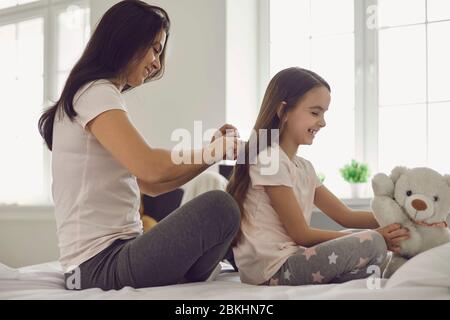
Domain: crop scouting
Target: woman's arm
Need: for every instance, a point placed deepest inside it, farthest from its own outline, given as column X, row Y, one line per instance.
column 329, row 204
column 164, row 187
column 285, row 203
column 156, row 189
column 117, row 134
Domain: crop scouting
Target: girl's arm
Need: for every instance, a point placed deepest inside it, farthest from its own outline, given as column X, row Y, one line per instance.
column 393, row 234
column 285, row 203
column 117, row 134
column 329, row 204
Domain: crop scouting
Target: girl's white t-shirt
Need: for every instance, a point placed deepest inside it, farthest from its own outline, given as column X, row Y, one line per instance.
column 265, row 245
column 96, row 198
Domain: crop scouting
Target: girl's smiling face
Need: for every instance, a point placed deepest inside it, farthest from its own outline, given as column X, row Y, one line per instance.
column 304, row 121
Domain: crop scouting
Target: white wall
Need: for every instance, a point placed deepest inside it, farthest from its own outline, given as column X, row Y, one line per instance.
column 242, row 64
column 193, row 87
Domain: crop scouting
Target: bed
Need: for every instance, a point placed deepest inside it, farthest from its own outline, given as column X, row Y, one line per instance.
column 426, row 276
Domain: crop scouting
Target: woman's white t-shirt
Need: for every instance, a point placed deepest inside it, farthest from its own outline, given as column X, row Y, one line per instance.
column 264, row 245
column 96, row 198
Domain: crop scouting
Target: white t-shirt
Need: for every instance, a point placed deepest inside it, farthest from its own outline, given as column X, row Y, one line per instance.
column 96, row 198
column 265, row 245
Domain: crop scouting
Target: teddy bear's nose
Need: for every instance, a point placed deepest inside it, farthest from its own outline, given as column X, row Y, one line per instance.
column 419, row 205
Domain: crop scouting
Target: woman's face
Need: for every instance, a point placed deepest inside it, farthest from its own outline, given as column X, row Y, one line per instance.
column 149, row 64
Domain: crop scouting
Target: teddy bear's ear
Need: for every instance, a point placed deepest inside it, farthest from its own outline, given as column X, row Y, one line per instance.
column 397, row 172
column 447, row 179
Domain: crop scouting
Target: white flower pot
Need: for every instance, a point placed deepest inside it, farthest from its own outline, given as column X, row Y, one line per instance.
column 357, row 190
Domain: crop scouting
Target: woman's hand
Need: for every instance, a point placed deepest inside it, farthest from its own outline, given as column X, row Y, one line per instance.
column 225, row 130
column 394, row 234
column 224, row 145
column 222, row 148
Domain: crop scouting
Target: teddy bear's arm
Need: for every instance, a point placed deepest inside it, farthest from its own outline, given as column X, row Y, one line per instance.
column 382, row 185
column 387, row 211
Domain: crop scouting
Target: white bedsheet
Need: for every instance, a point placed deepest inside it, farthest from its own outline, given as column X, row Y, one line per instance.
column 426, row 276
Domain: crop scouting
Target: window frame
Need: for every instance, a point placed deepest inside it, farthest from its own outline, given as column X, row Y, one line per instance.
column 366, row 86
column 367, row 104
column 366, row 80
column 366, row 101
column 48, row 11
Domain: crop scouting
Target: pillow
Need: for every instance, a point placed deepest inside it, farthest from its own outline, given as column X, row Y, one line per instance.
column 204, row 182
column 7, row 273
column 430, row 268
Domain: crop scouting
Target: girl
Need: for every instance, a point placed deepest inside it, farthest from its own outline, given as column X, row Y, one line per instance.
column 100, row 163
column 276, row 245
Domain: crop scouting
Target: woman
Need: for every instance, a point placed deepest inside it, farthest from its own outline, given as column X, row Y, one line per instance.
column 100, row 163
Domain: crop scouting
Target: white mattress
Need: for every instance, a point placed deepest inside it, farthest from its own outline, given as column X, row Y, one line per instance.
column 426, row 276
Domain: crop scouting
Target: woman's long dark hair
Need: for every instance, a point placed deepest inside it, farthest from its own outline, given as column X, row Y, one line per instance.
column 289, row 86
column 123, row 35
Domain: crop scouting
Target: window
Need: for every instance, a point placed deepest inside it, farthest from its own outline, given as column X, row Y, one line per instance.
column 389, row 83
column 303, row 34
column 414, row 96
column 10, row 3
column 41, row 41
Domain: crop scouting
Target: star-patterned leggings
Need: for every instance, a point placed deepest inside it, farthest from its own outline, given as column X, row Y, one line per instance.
column 355, row 256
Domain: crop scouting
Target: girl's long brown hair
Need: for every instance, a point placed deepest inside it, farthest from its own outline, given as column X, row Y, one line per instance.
column 289, row 86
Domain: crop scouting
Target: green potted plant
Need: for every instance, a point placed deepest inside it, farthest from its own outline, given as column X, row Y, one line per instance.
column 357, row 174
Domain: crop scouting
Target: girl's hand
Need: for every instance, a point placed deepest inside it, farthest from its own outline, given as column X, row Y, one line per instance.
column 394, row 234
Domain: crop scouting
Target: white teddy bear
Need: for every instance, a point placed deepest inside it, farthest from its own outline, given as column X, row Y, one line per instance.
column 419, row 200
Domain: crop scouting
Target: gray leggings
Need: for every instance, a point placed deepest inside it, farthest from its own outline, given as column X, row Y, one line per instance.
column 186, row 246
column 355, row 256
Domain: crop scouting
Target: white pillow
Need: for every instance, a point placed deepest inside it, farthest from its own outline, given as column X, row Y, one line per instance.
column 7, row 273
column 430, row 268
